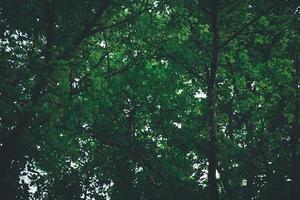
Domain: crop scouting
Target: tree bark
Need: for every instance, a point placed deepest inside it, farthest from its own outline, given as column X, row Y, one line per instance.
column 124, row 187
column 212, row 154
column 295, row 137
column 9, row 152
column 10, row 149
column 250, row 190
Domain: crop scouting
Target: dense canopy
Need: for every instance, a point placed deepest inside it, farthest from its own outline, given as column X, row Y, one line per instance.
column 149, row 99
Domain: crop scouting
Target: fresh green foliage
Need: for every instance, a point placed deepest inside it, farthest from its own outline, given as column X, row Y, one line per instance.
column 145, row 99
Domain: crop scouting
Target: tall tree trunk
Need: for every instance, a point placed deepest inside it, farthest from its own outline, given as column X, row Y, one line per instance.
column 212, row 154
column 124, row 181
column 10, row 149
column 295, row 137
column 251, row 152
column 250, row 190
column 9, row 152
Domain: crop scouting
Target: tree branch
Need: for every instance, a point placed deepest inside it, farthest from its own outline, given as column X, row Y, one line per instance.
column 121, row 70
column 100, row 27
column 87, row 30
column 254, row 20
column 164, row 53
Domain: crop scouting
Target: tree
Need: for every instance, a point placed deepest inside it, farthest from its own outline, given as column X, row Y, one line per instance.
column 149, row 99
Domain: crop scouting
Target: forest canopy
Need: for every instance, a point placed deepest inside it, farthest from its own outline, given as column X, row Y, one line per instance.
column 149, row 99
